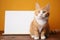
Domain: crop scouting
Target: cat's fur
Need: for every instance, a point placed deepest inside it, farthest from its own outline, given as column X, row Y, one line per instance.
column 40, row 24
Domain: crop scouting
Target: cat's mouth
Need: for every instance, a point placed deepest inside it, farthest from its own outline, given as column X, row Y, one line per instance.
column 41, row 17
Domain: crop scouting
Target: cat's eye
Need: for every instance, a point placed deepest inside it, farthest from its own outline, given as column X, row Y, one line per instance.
column 44, row 11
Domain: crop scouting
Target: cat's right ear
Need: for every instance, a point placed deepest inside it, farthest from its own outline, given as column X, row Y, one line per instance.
column 47, row 7
column 37, row 6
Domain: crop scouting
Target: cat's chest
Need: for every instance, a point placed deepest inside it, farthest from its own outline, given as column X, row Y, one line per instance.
column 41, row 22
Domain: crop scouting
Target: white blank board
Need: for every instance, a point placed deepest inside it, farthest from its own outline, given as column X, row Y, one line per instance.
column 18, row 22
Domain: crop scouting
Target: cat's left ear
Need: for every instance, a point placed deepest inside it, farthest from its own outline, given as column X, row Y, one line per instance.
column 47, row 7
column 37, row 6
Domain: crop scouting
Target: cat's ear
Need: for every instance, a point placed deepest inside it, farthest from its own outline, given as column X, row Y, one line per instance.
column 47, row 7
column 37, row 6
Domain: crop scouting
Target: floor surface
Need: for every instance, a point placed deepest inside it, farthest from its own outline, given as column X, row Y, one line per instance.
column 22, row 37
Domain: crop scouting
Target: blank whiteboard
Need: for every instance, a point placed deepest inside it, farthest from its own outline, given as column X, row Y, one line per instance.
column 18, row 22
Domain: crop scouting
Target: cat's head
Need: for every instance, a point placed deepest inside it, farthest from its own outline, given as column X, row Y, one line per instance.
column 42, row 13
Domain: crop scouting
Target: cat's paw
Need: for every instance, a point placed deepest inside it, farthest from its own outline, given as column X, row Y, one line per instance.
column 32, row 36
column 36, row 38
column 43, row 37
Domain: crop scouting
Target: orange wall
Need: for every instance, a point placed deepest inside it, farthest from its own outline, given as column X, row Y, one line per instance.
column 54, row 19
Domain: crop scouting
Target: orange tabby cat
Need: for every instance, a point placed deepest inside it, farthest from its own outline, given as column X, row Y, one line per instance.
column 40, row 24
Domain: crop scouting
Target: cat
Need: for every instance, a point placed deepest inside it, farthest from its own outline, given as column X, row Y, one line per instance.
column 40, row 23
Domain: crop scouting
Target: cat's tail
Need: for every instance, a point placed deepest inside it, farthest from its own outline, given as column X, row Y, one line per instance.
column 52, row 32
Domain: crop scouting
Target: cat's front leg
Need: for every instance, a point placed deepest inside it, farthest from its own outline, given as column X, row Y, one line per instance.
column 36, row 35
column 43, row 35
